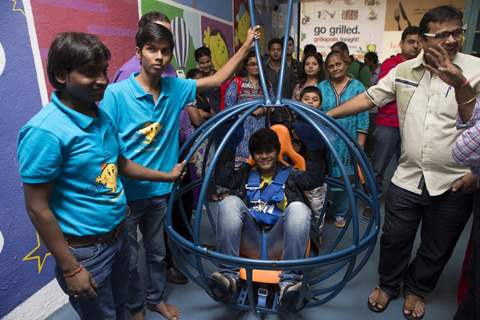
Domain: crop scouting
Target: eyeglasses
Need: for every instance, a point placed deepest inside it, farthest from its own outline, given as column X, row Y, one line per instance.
column 456, row 34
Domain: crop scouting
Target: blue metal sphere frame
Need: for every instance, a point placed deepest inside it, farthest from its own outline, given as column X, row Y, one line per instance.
column 192, row 256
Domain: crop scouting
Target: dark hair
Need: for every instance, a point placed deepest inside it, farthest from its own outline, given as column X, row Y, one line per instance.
column 340, row 45
column 320, row 74
column 192, row 73
column 74, row 51
column 410, row 30
column 274, row 41
column 311, row 89
column 289, row 38
column 151, row 17
column 151, row 32
column 265, row 140
column 372, row 56
column 439, row 14
column 341, row 55
column 251, row 54
column 201, row 52
column 308, row 49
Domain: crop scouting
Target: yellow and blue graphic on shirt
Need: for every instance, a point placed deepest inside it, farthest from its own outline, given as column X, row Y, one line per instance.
column 150, row 131
column 108, row 176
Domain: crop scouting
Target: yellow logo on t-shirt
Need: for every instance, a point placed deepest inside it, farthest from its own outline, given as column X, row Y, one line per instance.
column 108, row 177
column 150, row 131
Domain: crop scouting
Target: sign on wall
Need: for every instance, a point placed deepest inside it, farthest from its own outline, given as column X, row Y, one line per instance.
column 358, row 23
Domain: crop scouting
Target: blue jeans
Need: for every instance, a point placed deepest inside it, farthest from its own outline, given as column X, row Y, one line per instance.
column 387, row 145
column 148, row 215
column 287, row 240
column 108, row 265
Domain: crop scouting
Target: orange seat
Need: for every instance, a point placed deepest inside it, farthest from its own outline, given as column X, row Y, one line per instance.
column 267, row 276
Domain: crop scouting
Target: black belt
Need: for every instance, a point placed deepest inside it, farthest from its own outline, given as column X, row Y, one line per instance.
column 75, row 241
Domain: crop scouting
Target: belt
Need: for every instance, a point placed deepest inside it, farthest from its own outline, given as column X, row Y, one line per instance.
column 75, row 241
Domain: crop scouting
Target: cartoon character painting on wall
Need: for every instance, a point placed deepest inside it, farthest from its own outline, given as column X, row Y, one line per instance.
column 243, row 24
column 215, row 41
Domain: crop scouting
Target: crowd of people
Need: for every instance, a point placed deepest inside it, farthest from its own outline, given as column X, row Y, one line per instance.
column 96, row 177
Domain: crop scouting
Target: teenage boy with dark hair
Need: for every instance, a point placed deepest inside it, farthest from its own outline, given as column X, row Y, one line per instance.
column 203, row 56
column 133, row 65
column 285, row 214
column 70, row 155
column 431, row 91
column 356, row 69
column 146, row 108
column 295, row 65
column 272, row 69
column 386, row 136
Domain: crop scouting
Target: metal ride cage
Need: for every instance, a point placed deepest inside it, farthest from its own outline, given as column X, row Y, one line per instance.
column 326, row 273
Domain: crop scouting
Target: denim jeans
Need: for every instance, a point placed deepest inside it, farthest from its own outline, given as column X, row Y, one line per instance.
column 148, row 215
column 387, row 145
column 108, row 265
column 287, row 240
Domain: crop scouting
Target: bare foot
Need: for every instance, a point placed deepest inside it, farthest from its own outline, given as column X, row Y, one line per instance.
column 378, row 300
column 168, row 311
column 137, row 316
column 414, row 306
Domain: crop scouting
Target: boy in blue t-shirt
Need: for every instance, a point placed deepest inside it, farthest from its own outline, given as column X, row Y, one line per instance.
column 146, row 108
column 70, row 156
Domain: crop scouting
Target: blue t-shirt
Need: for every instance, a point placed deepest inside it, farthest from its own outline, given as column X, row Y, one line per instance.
column 79, row 154
column 149, row 130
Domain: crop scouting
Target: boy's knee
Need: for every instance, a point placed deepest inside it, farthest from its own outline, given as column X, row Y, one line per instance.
column 298, row 214
column 230, row 202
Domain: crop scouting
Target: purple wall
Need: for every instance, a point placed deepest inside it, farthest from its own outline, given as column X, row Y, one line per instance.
column 20, row 99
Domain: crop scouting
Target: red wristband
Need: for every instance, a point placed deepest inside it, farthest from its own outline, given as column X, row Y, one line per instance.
column 465, row 83
column 72, row 273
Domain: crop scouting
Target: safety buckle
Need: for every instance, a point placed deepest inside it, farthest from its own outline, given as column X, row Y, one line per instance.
column 247, row 187
column 262, row 292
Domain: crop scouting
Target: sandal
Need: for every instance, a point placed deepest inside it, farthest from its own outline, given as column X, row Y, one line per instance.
column 410, row 304
column 374, row 306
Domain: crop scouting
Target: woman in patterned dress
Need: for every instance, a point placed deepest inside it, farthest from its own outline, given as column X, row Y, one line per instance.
column 339, row 88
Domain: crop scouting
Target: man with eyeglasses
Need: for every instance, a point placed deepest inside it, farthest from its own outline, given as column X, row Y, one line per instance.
column 428, row 187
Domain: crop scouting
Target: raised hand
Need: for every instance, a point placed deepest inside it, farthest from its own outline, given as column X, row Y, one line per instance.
column 439, row 63
column 253, row 34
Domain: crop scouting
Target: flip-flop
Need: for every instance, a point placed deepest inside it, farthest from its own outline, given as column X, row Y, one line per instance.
column 415, row 299
column 374, row 307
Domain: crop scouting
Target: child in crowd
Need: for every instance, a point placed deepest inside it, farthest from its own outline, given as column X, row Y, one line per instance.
column 312, row 96
column 146, row 108
column 70, row 155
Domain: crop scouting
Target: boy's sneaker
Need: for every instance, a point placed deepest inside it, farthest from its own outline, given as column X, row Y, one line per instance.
column 340, row 222
column 289, row 296
column 223, row 286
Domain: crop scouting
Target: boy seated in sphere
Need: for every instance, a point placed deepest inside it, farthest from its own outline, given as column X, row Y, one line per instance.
column 270, row 196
